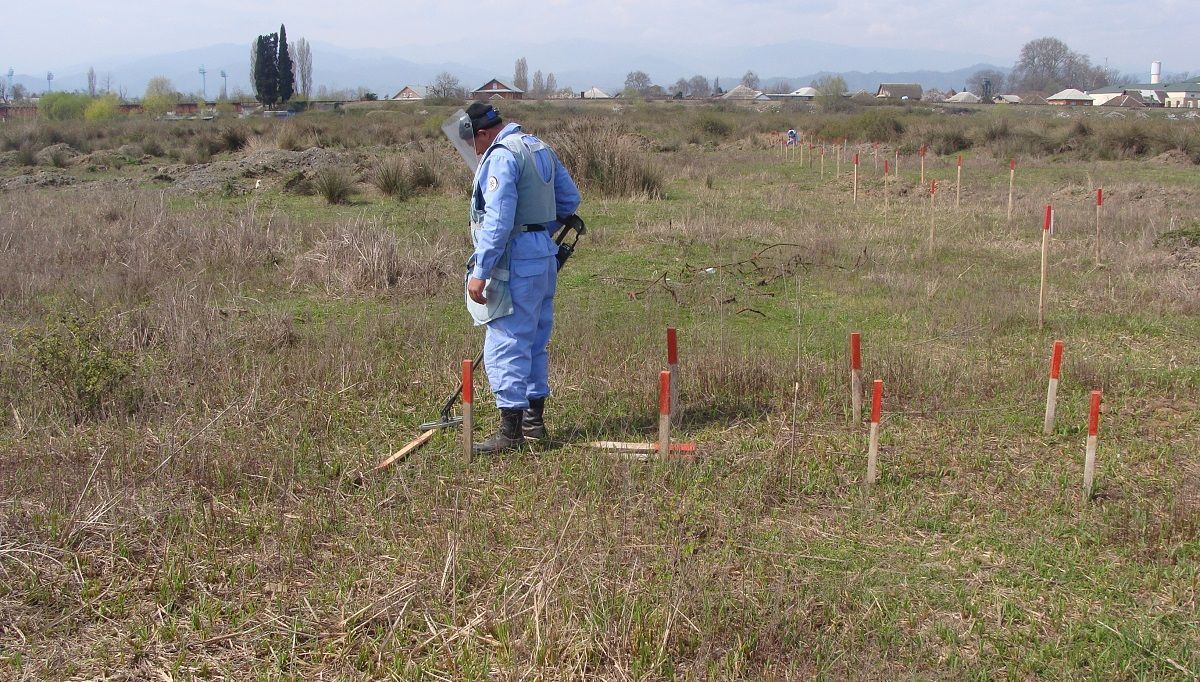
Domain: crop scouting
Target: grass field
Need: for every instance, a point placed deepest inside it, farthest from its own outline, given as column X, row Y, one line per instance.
column 196, row 384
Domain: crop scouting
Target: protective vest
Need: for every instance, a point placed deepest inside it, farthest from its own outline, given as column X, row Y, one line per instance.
column 535, row 206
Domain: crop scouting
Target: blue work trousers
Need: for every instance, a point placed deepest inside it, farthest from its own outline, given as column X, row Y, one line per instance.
column 514, row 350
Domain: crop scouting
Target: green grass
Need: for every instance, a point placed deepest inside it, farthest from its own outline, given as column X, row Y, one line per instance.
column 226, row 528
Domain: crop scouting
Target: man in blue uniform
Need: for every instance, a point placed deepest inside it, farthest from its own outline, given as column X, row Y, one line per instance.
column 519, row 192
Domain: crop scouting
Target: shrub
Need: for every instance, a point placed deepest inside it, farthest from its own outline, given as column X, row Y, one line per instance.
column 606, row 161
column 152, row 147
column 424, row 173
column 233, row 138
column 335, row 184
column 63, row 106
column 26, row 156
column 714, row 125
column 877, row 125
column 80, row 365
column 106, row 108
column 391, row 177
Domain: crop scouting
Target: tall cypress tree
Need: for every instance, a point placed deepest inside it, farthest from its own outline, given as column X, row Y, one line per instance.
column 287, row 76
column 268, row 60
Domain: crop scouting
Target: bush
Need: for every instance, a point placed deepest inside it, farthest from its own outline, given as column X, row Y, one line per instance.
column 606, row 161
column 232, row 138
column 26, row 156
column 106, row 108
column 80, row 365
column 391, row 177
column 335, row 184
column 877, row 125
column 424, row 173
column 63, row 106
column 714, row 125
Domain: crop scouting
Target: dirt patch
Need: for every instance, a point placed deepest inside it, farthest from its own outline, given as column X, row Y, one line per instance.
column 1172, row 157
column 61, row 154
column 264, row 164
column 40, row 179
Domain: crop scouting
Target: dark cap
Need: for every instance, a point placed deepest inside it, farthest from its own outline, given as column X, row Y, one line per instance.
column 483, row 116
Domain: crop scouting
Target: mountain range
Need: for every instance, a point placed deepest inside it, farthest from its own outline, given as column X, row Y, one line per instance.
column 579, row 64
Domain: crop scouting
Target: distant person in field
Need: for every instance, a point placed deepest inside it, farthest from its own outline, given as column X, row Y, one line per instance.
column 519, row 193
column 792, row 137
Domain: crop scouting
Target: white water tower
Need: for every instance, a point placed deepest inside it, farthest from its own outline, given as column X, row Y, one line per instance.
column 1155, row 72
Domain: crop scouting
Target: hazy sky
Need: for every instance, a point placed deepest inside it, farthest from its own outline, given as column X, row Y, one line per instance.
column 51, row 34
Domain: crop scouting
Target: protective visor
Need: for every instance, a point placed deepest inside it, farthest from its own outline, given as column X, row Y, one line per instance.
column 458, row 130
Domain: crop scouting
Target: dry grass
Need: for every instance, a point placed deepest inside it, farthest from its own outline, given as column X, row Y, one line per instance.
column 278, row 346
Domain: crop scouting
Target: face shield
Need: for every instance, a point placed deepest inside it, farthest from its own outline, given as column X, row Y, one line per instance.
column 458, row 129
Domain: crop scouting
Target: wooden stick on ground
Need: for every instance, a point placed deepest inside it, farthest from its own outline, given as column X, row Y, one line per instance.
column 1052, row 388
column 416, row 444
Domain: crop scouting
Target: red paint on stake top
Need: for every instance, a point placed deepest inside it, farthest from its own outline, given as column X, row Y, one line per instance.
column 876, row 400
column 1094, row 416
column 1099, row 196
column 960, row 160
column 1049, row 214
column 933, row 187
column 856, row 159
column 1012, row 164
column 855, row 350
column 672, row 347
column 468, row 382
column 922, row 150
column 1056, row 360
column 664, row 392
column 885, row 166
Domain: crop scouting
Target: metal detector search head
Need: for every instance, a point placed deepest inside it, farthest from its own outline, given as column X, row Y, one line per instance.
column 460, row 133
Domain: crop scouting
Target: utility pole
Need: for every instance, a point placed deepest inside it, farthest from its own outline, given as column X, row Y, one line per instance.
column 203, row 86
column 224, row 85
column 49, row 78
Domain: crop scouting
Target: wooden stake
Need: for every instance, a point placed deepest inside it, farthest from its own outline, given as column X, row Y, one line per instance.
column 932, row 207
column 886, row 196
column 856, row 178
column 897, row 162
column 1099, row 208
column 468, row 405
column 856, row 393
column 958, row 185
column 838, row 162
column 664, row 414
column 1045, row 266
column 414, row 445
column 1089, row 459
column 673, row 368
column 873, row 437
column 876, row 157
column 1012, row 175
column 1052, row 388
column 822, row 161
column 922, row 155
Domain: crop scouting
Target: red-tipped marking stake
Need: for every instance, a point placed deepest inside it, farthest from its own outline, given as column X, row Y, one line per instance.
column 673, row 368
column 922, row 155
column 1012, row 176
column 1089, row 459
column 664, row 414
column 468, row 405
column 958, row 185
column 1052, row 388
column 856, row 391
column 1049, row 219
column 1099, row 209
column 873, row 437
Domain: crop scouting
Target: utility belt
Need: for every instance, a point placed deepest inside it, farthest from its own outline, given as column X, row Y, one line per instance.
column 533, row 228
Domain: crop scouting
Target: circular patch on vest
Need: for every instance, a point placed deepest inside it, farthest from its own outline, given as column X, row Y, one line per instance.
column 493, row 184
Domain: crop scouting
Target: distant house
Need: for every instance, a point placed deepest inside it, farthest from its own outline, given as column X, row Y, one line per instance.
column 1149, row 94
column 1125, row 102
column 1006, row 99
column 805, row 94
column 745, row 94
column 594, row 93
column 494, row 89
column 1182, row 95
column 408, row 95
column 1070, row 98
column 964, row 97
column 908, row 91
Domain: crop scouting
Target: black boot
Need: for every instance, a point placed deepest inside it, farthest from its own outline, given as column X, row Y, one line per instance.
column 507, row 438
column 532, row 423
